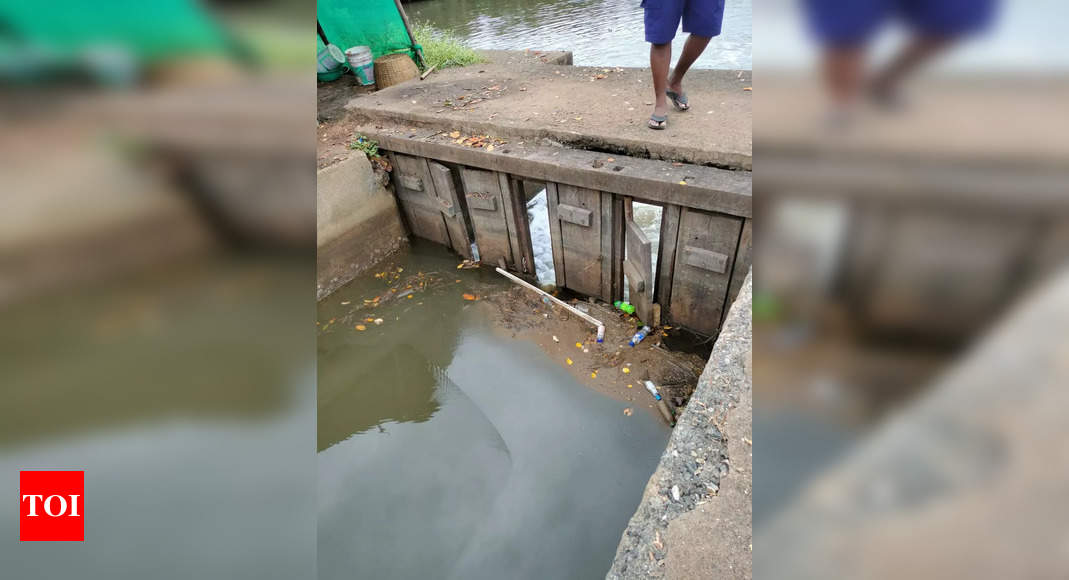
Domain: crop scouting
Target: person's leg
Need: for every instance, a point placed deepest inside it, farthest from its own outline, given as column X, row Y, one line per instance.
column 843, row 70
column 693, row 48
column 885, row 85
column 660, row 60
column 661, row 20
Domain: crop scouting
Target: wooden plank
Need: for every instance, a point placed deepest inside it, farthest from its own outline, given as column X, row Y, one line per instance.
column 555, row 234
column 707, row 188
column 415, row 193
column 617, row 248
column 522, row 231
column 666, row 259
column 698, row 293
column 455, row 218
column 638, row 265
column 574, row 215
column 742, row 265
column 582, row 245
column 489, row 225
column 606, row 247
column 705, row 259
column 511, row 222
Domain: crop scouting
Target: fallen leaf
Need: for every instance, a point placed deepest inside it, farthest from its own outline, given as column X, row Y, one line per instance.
column 750, row 89
column 577, row 345
column 626, row 370
column 630, row 386
column 459, row 266
column 594, row 375
column 469, row 297
column 682, row 183
column 489, row 147
column 361, row 327
column 611, row 160
column 455, row 134
column 409, row 296
column 568, row 360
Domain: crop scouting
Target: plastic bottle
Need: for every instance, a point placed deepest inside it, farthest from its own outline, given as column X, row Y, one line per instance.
column 652, row 388
column 624, row 306
column 662, row 405
column 639, row 336
column 601, row 334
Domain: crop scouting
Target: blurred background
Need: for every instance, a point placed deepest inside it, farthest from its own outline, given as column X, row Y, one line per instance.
column 157, row 283
column 912, row 227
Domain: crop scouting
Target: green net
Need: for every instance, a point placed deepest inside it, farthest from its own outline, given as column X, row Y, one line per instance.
column 373, row 23
column 150, row 31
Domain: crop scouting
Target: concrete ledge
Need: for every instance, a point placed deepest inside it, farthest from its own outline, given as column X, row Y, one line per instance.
column 513, row 57
column 694, row 520
column 707, row 188
column 358, row 222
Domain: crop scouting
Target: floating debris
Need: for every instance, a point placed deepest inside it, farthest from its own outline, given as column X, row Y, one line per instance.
column 377, row 321
column 627, row 411
column 470, row 296
column 360, row 327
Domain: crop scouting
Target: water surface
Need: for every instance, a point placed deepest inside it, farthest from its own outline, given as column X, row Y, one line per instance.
column 448, row 450
column 598, row 32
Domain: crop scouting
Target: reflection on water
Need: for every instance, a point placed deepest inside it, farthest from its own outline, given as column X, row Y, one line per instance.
column 598, row 32
column 447, row 451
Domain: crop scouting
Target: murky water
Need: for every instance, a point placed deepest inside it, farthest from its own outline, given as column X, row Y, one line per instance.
column 186, row 396
column 448, row 451
column 598, row 32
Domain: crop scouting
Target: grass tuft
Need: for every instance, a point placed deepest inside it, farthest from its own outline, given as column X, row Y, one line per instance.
column 368, row 146
column 443, row 48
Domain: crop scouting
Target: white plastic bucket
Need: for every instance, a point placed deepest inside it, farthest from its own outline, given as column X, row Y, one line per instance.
column 329, row 58
column 362, row 64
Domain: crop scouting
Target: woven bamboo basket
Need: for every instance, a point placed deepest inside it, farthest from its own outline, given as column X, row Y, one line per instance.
column 393, row 69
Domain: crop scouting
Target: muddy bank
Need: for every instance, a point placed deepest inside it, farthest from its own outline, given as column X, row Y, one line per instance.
column 612, row 367
column 694, row 518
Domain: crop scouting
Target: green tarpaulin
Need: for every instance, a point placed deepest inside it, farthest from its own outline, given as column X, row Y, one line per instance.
column 373, row 23
column 148, row 30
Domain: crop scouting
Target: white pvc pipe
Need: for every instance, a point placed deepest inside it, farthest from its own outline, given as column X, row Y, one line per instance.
column 570, row 308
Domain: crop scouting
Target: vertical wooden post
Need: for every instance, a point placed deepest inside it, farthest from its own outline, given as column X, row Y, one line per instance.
column 408, row 29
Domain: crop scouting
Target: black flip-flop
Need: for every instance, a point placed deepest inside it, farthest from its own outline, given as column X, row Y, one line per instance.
column 658, row 122
column 679, row 100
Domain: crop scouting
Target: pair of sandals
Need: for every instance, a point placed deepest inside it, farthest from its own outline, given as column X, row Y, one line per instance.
column 679, row 101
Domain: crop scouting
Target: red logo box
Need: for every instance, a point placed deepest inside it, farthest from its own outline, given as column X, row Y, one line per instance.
column 52, row 506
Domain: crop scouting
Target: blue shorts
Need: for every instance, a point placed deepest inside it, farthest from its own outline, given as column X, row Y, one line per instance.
column 700, row 17
column 847, row 22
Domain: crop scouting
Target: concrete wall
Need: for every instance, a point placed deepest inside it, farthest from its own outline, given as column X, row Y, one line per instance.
column 694, row 520
column 357, row 222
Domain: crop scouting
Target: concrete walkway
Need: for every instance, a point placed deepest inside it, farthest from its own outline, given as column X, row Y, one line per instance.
column 592, row 108
column 1006, row 121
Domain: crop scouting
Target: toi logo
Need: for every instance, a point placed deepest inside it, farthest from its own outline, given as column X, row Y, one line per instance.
column 51, row 504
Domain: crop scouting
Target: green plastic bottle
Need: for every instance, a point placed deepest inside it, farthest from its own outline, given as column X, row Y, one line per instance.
column 625, row 306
